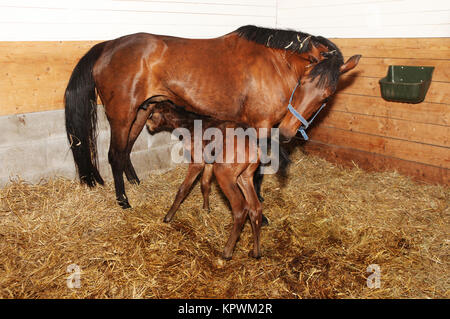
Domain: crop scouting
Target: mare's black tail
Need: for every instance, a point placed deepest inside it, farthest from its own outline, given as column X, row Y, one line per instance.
column 80, row 101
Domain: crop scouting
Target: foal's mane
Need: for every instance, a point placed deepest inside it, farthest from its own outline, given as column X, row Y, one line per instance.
column 290, row 40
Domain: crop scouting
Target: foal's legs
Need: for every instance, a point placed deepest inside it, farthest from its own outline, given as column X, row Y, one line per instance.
column 239, row 207
column 206, row 184
column 193, row 171
column 245, row 182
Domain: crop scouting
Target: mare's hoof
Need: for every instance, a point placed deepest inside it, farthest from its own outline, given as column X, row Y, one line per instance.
column 135, row 181
column 260, row 198
column 264, row 221
column 123, row 202
column 124, row 205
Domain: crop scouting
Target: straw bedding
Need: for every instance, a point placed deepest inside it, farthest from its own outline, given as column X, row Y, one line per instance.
column 327, row 225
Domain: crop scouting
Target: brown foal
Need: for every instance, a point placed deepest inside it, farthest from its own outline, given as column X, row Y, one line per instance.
column 234, row 178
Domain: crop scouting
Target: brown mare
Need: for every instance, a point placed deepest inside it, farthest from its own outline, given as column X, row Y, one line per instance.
column 234, row 178
column 246, row 76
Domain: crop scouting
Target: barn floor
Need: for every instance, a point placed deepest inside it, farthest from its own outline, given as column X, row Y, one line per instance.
column 327, row 225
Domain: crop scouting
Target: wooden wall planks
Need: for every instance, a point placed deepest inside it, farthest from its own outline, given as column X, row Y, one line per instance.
column 399, row 48
column 431, row 113
column 35, row 74
column 402, row 149
column 388, row 127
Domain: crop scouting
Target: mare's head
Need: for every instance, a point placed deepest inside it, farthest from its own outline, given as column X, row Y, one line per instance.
column 317, row 84
column 322, row 65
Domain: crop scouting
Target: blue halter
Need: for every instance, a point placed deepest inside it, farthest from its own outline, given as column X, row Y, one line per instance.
column 305, row 123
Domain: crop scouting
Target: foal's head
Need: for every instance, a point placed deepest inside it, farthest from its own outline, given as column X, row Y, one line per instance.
column 161, row 118
column 167, row 116
column 316, row 85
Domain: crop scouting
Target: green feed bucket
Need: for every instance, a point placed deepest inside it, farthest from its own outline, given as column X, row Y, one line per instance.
column 408, row 84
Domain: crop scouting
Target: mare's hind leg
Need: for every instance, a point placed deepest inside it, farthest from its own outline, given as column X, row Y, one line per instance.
column 117, row 158
column 193, row 171
column 130, row 173
column 136, row 129
column 122, row 125
column 239, row 207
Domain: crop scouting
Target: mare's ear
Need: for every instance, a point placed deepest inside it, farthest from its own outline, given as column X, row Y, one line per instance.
column 350, row 64
column 314, row 54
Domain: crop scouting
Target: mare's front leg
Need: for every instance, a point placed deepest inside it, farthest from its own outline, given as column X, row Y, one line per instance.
column 193, row 171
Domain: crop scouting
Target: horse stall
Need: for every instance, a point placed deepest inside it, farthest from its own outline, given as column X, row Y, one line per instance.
column 361, row 211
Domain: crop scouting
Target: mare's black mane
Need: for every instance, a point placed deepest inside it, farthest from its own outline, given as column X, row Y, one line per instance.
column 299, row 42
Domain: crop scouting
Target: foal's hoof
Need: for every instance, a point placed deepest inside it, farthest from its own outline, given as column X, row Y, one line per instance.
column 264, row 221
column 226, row 258
column 260, row 198
column 252, row 254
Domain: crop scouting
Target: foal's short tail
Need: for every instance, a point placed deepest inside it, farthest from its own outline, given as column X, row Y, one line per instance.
column 81, row 117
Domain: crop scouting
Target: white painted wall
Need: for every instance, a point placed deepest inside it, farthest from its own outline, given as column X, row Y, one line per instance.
column 23, row 20
column 34, row 20
column 366, row 18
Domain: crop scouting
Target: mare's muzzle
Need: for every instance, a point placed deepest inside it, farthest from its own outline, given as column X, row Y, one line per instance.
column 305, row 123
